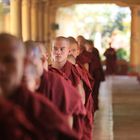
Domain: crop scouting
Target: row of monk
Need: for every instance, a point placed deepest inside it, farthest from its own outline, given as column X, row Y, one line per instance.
column 48, row 102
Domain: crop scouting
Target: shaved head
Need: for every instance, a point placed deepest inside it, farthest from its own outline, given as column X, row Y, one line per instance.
column 12, row 58
column 12, row 41
column 60, row 50
column 63, row 39
column 34, row 66
column 34, row 55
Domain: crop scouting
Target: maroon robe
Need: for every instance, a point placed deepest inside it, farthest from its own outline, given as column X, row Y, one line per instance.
column 60, row 91
column 47, row 119
column 95, row 70
column 98, row 74
column 96, row 53
column 111, row 61
column 72, row 72
column 14, row 124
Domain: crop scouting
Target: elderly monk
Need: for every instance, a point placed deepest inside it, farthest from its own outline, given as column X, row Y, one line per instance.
column 43, row 115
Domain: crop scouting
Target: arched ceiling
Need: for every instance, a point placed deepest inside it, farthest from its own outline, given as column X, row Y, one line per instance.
column 119, row 2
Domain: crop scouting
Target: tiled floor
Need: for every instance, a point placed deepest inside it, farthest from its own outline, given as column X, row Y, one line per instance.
column 103, row 125
column 119, row 114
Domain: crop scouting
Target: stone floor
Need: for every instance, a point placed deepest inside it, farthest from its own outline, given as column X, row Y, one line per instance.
column 119, row 114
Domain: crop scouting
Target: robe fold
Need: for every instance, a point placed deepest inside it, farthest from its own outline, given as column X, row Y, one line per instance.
column 95, row 69
column 14, row 124
column 60, row 91
column 75, row 75
column 45, row 117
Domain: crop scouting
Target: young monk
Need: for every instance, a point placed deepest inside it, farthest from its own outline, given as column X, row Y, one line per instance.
column 97, row 73
column 43, row 115
column 93, row 66
column 74, row 52
column 60, row 53
column 56, row 88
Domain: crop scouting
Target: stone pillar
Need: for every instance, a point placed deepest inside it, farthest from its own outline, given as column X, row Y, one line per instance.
column 26, row 20
column 40, row 21
column 45, row 17
column 49, row 32
column 15, row 18
column 7, row 22
column 135, row 38
column 52, row 19
column 34, row 20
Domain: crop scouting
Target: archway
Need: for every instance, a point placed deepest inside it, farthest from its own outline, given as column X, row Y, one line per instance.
column 99, row 22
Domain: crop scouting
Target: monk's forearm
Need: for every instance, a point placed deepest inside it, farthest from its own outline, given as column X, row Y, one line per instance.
column 81, row 91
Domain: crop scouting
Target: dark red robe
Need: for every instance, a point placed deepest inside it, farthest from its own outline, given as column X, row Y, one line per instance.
column 75, row 75
column 111, row 61
column 47, row 119
column 14, row 124
column 96, row 53
column 59, row 90
column 61, row 93
column 95, row 69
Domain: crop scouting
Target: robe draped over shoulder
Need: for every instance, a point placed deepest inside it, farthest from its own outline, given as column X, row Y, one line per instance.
column 14, row 124
column 47, row 119
column 59, row 90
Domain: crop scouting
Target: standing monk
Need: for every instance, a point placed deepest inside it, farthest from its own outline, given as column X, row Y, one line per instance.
column 60, row 51
column 43, row 115
column 111, row 60
column 67, row 100
column 97, row 73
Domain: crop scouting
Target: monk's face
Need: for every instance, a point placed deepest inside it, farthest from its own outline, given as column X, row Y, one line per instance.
column 30, row 78
column 80, row 40
column 11, row 67
column 74, row 50
column 88, row 47
column 60, row 51
column 34, row 59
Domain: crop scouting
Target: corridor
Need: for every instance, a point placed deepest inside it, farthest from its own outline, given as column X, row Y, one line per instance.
column 119, row 114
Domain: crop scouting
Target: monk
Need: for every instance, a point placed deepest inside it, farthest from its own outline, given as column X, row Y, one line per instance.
column 111, row 60
column 97, row 73
column 74, row 52
column 81, row 41
column 92, row 63
column 14, row 124
column 44, row 116
column 60, row 52
column 67, row 100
